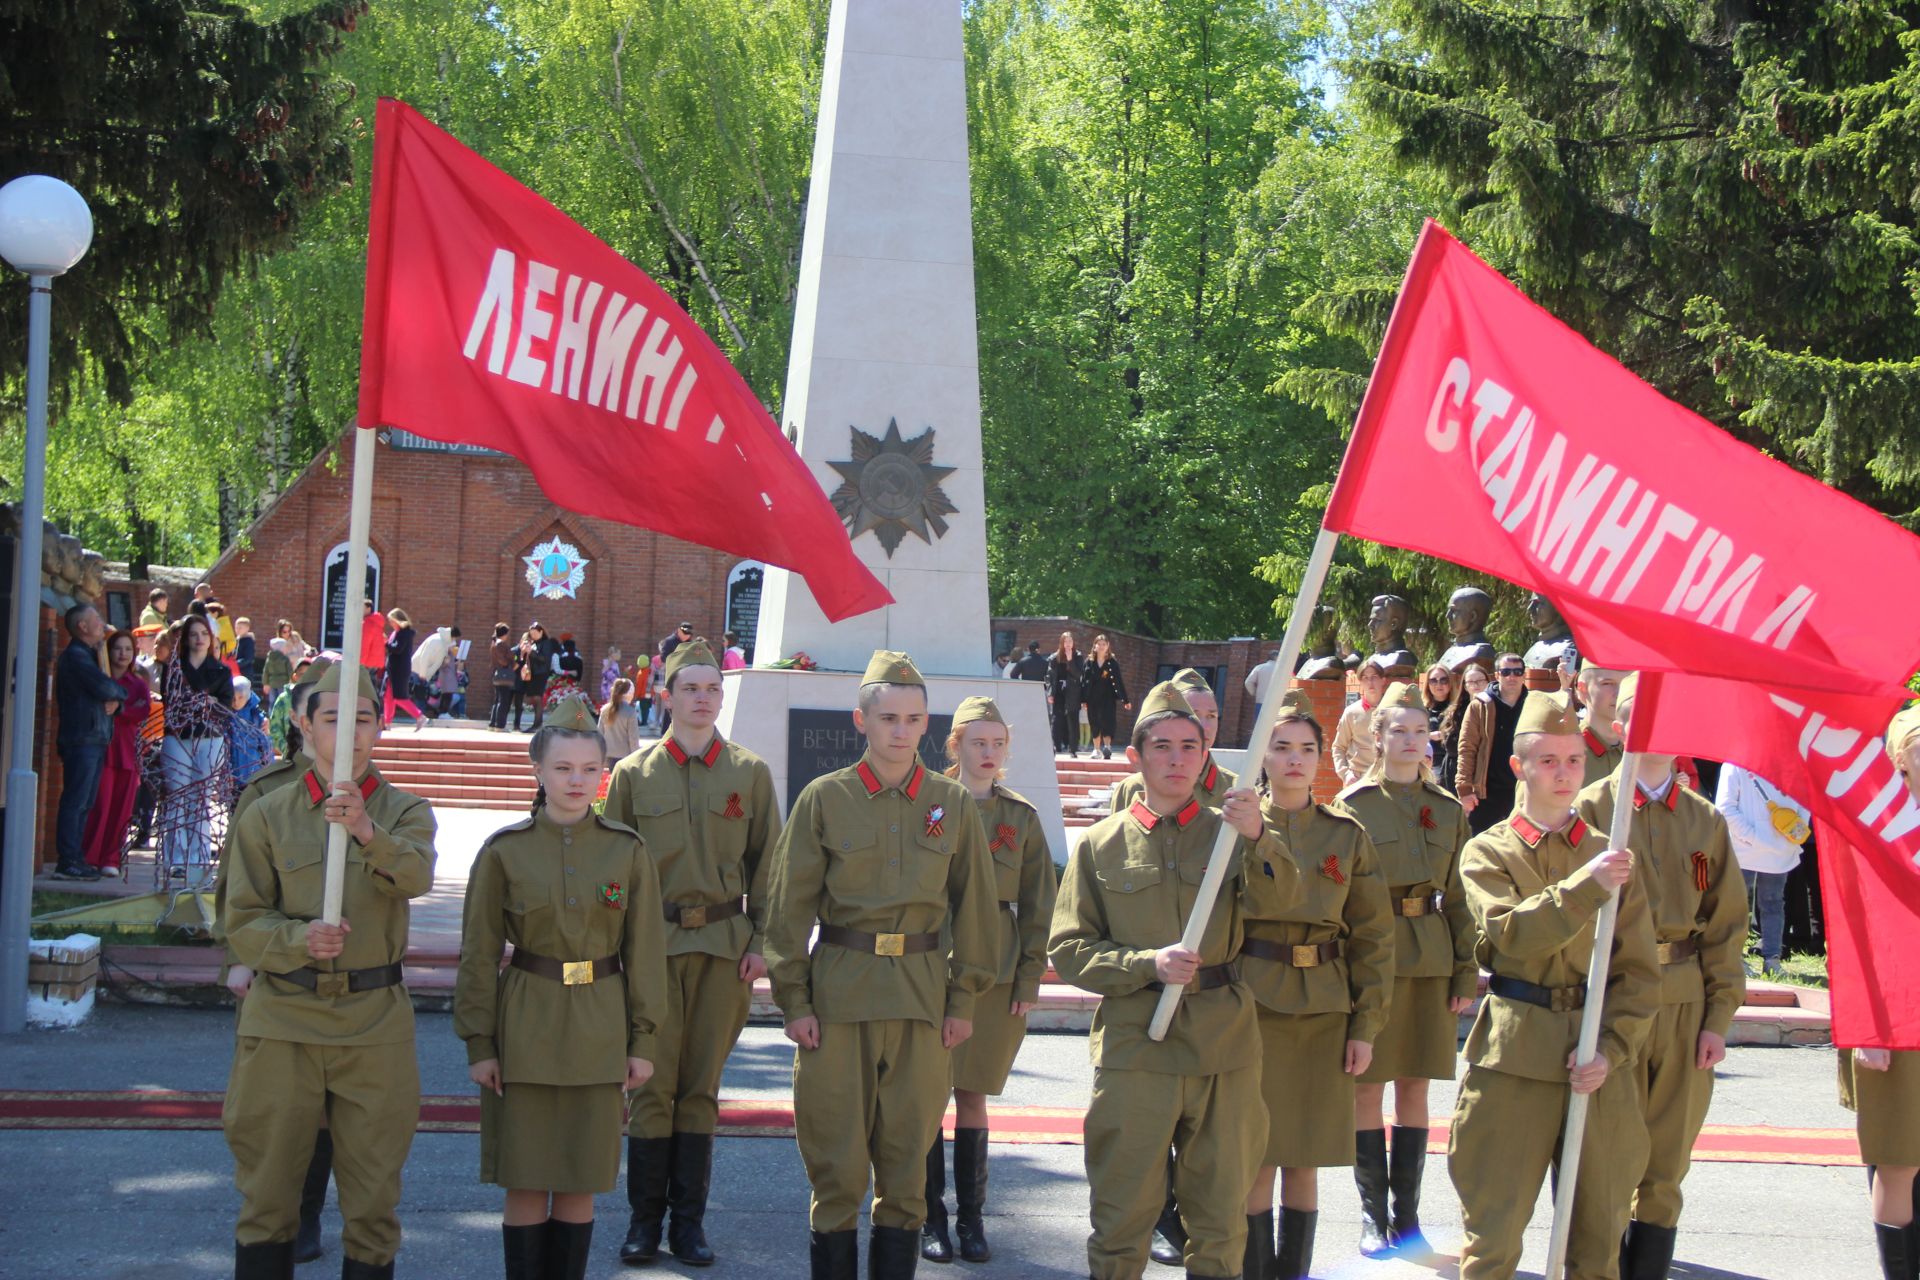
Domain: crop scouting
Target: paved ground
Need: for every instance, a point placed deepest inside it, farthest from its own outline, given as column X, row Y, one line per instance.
column 159, row 1205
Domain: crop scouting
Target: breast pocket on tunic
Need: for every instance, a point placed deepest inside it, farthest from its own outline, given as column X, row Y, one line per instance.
column 932, row 857
column 1135, row 915
column 1006, row 871
column 726, row 839
column 661, row 820
column 530, row 922
column 857, row 867
column 302, row 874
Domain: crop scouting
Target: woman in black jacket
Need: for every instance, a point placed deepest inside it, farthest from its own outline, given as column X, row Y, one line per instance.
column 539, row 663
column 1104, row 690
column 400, row 671
column 1066, row 671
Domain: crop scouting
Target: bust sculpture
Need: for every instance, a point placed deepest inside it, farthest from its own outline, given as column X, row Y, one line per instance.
column 1387, row 625
column 1323, row 659
column 1467, row 613
column 1555, row 639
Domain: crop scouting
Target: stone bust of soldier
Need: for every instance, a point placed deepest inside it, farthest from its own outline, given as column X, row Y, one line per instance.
column 1387, row 625
column 1467, row 613
column 1555, row 640
column 1323, row 661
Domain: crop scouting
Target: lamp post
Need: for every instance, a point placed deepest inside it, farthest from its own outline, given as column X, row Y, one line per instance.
column 45, row 227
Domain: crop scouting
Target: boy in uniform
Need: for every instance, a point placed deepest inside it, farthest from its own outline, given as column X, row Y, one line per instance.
column 1599, row 689
column 1214, row 782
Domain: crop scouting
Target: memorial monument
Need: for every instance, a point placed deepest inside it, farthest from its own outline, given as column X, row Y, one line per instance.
column 1467, row 612
column 1555, row 638
column 883, row 401
column 1387, row 626
column 1323, row 649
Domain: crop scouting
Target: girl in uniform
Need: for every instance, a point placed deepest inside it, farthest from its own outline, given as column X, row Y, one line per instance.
column 1882, row 1088
column 1417, row 829
column 1320, row 970
column 1024, row 883
column 556, row 1037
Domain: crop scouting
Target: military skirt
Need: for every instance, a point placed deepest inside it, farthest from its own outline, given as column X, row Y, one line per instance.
column 547, row 1137
column 984, row 1059
column 1309, row 1096
column 1886, row 1107
column 1421, row 1038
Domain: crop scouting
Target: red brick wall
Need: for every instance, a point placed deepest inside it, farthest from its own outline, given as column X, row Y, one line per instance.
column 450, row 530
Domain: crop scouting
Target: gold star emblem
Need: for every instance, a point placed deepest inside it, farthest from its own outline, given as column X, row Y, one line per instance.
column 890, row 486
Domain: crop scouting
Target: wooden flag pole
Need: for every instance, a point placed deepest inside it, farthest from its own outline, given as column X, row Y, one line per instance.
column 358, row 518
column 1304, row 604
column 1575, row 1134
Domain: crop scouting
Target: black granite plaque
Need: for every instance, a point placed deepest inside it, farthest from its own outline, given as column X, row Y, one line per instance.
column 820, row 741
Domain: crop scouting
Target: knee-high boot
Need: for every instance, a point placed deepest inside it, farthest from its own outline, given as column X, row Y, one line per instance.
column 689, row 1177
column 935, row 1246
column 1370, row 1177
column 1295, row 1254
column 569, row 1245
column 970, row 1193
column 1257, row 1262
column 647, row 1161
column 1409, row 1163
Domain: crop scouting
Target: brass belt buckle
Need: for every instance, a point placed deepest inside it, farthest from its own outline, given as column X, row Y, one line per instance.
column 693, row 917
column 330, row 985
column 1413, row 906
column 1305, row 957
column 890, row 944
column 576, row 973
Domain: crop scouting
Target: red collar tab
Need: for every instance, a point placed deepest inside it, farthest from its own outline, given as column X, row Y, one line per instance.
column 913, row 782
column 1146, row 817
column 1526, row 830
column 868, row 779
column 1672, row 799
column 317, row 790
column 1187, row 814
column 1594, row 744
column 1576, row 833
column 871, row 780
column 1211, row 777
column 707, row 757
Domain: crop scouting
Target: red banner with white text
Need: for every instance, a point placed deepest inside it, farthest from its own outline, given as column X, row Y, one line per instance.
column 1867, row 825
column 1494, row 436
column 493, row 319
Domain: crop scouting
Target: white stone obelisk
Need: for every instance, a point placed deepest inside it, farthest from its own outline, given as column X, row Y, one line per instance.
column 885, row 344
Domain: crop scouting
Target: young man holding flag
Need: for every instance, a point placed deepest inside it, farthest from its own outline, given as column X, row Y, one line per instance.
column 1698, row 905
column 1536, row 882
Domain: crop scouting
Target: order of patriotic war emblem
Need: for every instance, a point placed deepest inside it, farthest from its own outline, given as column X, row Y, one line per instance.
column 891, row 486
column 555, row 570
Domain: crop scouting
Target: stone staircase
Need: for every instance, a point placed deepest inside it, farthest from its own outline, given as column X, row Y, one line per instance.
column 458, row 768
column 1085, row 785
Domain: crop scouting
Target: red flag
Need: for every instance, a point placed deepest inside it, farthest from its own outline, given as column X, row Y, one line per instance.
column 1868, row 825
column 494, row 319
column 1494, row 436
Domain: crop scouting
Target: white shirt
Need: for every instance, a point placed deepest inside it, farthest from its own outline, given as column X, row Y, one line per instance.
column 1750, row 805
column 1257, row 680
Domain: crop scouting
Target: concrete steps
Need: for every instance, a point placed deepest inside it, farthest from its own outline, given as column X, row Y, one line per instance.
column 461, row 768
column 1085, row 785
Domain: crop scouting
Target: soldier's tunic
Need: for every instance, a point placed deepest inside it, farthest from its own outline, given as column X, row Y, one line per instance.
column 575, row 894
column 1698, row 901
column 1886, row 1107
column 264, row 783
column 345, row 1056
column 1418, row 830
column 1536, row 906
column 709, row 821
column 893, row 863
column 1211, row 790
column 1318, row 957
column 1024, row 888
column 1601, row 760
column 1127, row 892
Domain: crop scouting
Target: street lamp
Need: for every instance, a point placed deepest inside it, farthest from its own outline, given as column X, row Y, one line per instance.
column 45, row 228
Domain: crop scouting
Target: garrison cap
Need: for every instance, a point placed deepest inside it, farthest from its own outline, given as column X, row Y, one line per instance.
column 1297, row 701
column 1402, row 696
column 1187, row 680
column 329, row 682
column 1550, row 713
column 691, row 653
column 892, row 667
column 977, row 708
column 315, row 669
column 1166, row 697
column 1629, row 685
column 572, row 713
column 1588, row 667
column 1901, row 732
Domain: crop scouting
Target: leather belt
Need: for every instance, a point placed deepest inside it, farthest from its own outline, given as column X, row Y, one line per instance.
column 345, row 981
column 1676, row 952
column 879, row 944
column 1558, row 999
column 695, row 917
column 1424, row 905
column 1300, row 957
column 1213, row 975
column 573, row 973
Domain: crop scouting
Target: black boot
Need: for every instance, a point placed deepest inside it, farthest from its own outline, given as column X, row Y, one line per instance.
column 970, row 1193
column 892, row 1253
column 690, row 1176
column 935, row 1246
column 647, row 1196
column 1896, row 1251
column 1169, row 1247
column 834, row 1255
column 1647, row 1253
column 1409, row 1162
column 263, row 1261
column 569, row 1245
column 354, row 1269
column 313, row 1198
column 1257, row 1262
column 1370, row 1176
column 526, row 1250
column 1295, row 1253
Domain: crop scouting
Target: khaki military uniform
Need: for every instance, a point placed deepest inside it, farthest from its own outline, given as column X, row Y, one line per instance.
column 893, row 863
column 1602, row 761
column 1418, row 830
column 269, row 780
column 578, row 895
column 1024, row 888
column 336, row 1054
column 1536, row 907
column 1332, row 911
column 1211, row 790
column 1885, row 1105
column 708, row 822
column 1685, row 866
column 1127, row 893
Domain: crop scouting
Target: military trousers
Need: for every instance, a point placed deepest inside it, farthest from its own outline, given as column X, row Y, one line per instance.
column 1674, row 1096
column 1216, row 1124
column 1506, row 1137
column 870, row 1098
column 280, row 1094
column 707, row 1008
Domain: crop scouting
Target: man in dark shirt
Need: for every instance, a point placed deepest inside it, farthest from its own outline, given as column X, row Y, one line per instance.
column 1485, row 777
column 87, row 698
column 1033, row 666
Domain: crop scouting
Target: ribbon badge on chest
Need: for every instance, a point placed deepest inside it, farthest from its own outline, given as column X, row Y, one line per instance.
column 936, row 820
column 1331, row 870
column 1426, row 817
column 614, row 895
column 1700, row 878
column 1004, row 837
column 734, row 811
